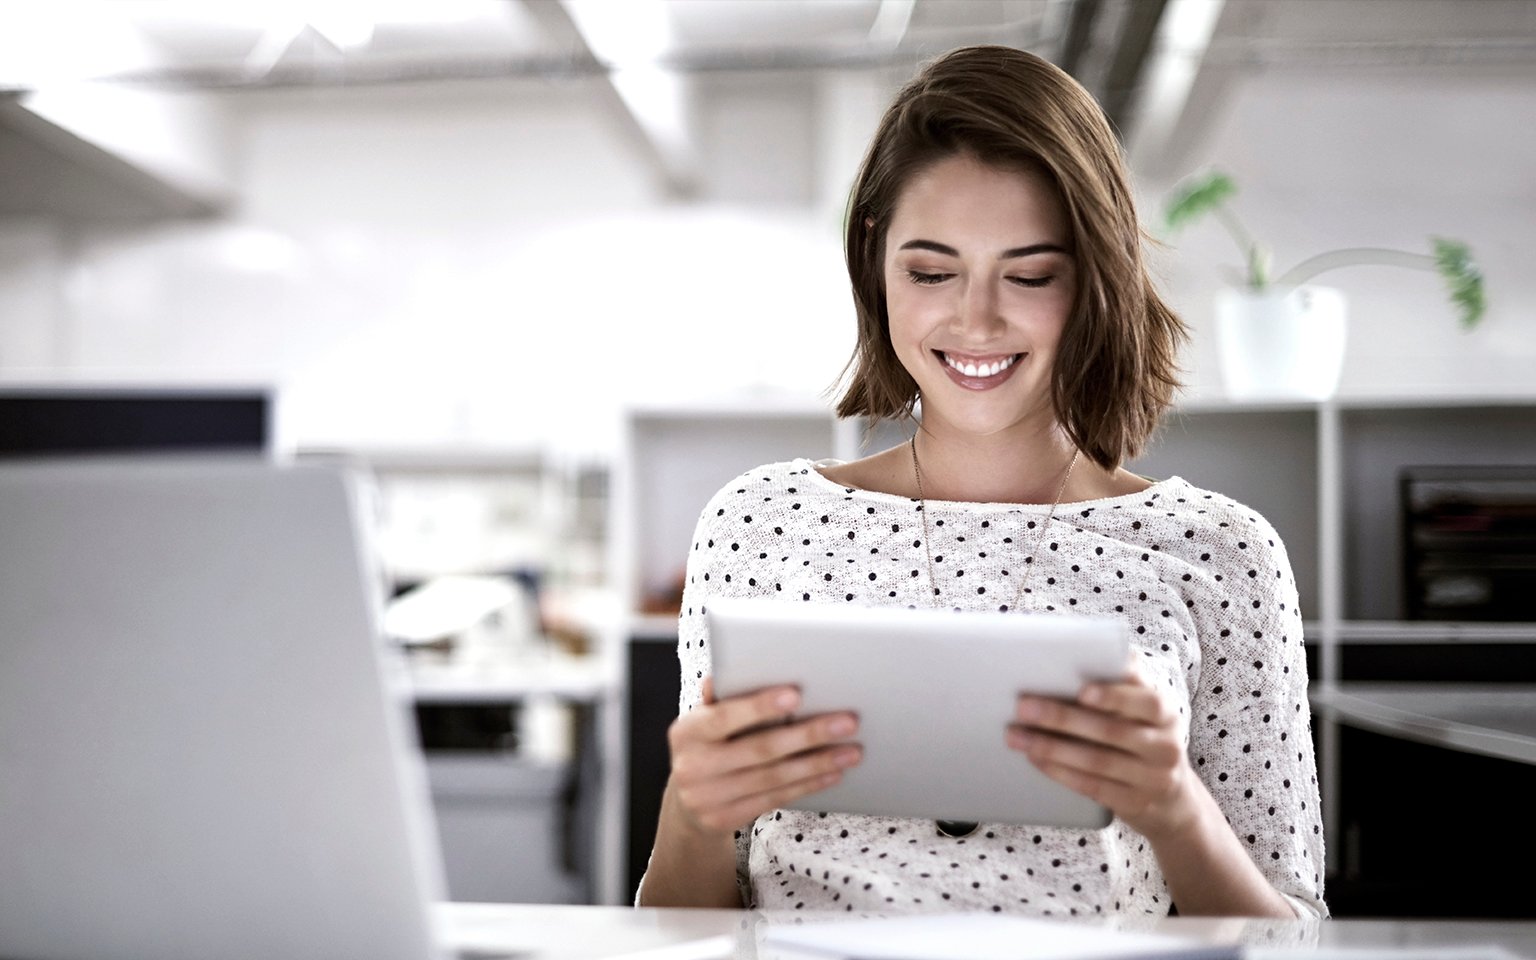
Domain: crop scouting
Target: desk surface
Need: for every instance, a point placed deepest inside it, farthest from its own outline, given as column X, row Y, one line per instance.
column 541, row 932
column 1498, row 721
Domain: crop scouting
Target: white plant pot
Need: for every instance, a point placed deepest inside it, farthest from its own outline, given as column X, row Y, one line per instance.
column 1281, row 344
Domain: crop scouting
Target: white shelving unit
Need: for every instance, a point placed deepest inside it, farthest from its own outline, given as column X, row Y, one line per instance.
column 1326, row 476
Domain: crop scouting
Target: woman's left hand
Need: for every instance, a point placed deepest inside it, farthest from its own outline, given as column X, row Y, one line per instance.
column 1119, row 743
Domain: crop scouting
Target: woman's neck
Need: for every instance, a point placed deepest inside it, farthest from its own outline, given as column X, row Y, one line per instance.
column 1026, row 464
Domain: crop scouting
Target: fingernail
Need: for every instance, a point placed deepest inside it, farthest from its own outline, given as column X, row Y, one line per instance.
column 846, row 758
column 1029, row 710
column 1018, row 738
column 1091, row 696
column 841, row 726
column 786, row 700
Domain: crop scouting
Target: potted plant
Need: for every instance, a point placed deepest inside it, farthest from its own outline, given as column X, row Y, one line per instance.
column 1281, row 338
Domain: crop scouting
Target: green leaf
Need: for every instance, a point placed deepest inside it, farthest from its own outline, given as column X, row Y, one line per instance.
column 1463, row 278
column 1198, row 198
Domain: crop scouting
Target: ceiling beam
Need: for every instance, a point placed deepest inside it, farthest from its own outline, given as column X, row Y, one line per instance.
column 1077, row 34
column 1105, row 44
column 1181, row 95
column 1123, row 73
column 652, row 102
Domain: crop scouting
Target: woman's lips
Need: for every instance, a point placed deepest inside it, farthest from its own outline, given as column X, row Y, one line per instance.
column 982, row 372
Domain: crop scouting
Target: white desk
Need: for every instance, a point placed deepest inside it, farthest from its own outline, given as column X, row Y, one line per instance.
column 593, row 681
column 1497, row 721
column 586, row 933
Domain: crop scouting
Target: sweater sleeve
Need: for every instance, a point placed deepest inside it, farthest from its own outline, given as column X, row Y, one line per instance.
column 1250, row 729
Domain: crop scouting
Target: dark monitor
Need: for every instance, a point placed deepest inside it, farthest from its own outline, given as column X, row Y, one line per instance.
column 53, row 421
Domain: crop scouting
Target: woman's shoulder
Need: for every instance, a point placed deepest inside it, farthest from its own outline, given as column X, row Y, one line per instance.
column 1190, row 519
column 768, row 482
column 1214, row 508
column 887, row 472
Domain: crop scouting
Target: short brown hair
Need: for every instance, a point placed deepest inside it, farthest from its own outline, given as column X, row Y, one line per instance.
column 1116, row 366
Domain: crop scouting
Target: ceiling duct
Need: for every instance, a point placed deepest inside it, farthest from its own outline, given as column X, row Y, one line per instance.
column 1106, row 45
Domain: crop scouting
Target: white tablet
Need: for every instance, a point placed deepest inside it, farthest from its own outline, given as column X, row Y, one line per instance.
column 934, row 690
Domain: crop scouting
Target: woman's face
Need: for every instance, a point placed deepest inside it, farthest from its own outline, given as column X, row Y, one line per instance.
column 979, row 282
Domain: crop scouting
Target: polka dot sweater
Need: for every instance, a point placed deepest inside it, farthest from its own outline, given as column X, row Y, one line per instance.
column 1204, row 584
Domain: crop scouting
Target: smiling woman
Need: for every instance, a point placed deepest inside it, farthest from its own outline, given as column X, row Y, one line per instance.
column 995, row 258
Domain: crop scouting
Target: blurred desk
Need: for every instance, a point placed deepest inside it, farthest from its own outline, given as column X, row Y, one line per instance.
column 589, row 678
column 1493, row 720
column 1434, row 781
column 540, row 932
column 553, row 795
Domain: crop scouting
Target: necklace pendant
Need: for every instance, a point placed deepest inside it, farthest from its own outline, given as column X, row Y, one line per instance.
column 956, row 828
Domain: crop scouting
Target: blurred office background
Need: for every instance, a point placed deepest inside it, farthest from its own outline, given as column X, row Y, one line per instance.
column 553, row 270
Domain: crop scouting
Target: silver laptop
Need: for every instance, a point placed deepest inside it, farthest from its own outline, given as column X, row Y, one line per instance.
column 204, row 751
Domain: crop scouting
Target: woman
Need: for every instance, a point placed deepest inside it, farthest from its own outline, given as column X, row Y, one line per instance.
column 997, row 274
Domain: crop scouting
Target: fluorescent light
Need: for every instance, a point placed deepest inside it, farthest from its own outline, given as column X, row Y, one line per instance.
column 623, row 33
column 348, row 26
column 42, row 44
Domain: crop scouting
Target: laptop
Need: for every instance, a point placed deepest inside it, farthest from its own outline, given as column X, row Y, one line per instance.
column 205, row 748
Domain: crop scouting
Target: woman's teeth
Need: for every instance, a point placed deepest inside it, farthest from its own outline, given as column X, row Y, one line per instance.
column 971, row 369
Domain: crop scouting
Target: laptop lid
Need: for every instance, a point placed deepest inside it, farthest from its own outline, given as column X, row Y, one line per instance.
column 204, row 751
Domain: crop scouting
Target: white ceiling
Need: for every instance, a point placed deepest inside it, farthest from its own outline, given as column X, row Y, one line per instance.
column 1159, row 98
column 190, row 35
column 246, row 42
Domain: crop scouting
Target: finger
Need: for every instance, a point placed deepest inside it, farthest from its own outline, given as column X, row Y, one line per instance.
column 726, row 718
column 749, row 808
column 777, row 743
column 1115, row 796
column 1132, row 699
column 1152, row 772
column 709, row 689
column 726, row 791
column 1102, row 762
column 1081, row 722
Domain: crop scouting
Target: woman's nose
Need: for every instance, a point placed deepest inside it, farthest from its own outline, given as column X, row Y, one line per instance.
column 977, row 310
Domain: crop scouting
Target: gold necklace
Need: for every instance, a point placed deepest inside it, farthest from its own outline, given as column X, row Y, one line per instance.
column 1029, row 565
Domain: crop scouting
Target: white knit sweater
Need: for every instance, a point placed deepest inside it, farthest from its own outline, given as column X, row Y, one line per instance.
column 1207, row 589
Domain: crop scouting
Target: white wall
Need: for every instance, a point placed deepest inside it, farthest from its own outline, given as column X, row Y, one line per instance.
column 32, row 277
column 493, row 263
column 486, row 264
column 1345, row 158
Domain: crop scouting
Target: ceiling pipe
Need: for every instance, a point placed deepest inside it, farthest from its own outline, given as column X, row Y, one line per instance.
column 1077, row 34
column 576, row 59
column 1128, row 60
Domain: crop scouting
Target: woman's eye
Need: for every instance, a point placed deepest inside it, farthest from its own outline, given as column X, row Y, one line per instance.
column 1032, row 281
column 927, row 279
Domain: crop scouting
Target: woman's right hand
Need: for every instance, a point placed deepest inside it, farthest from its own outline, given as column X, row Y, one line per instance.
column 735, row 759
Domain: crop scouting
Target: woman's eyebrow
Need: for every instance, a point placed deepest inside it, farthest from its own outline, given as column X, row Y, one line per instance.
column 1031, row 250
column 949, row 251
column 935, row 246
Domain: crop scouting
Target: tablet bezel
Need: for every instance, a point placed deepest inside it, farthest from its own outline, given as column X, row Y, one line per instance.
column 918, row 679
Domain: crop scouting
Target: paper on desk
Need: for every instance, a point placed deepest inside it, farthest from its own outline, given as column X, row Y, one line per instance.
column 979, row 937
column 1405, row 952
column 706, row 948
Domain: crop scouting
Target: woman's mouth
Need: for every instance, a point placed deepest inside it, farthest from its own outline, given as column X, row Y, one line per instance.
column 978, row 372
